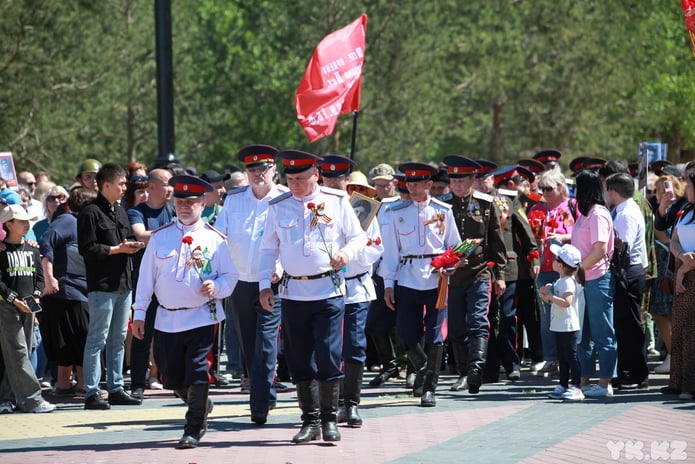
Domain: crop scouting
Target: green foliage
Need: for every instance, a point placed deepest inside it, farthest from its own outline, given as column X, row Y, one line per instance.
column 497, row 80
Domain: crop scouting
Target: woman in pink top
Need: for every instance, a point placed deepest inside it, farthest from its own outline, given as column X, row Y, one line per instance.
column 550, row 220
column 593, row 236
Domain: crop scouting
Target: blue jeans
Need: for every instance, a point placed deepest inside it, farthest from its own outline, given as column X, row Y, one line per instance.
column 547, row 337
column 468, row 311
column 598, row 334
column 258, row 339
column 108, row 326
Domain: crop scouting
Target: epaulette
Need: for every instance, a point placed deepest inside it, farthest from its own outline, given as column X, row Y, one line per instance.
column 163, row 227
column 278, row 199
column 282, row 188
column 212, row 228
column 241, row 189
column 439, row 202
column 482, row 196
column 508, row 193
column 401, row 205
column 391, row 200
column 332, row 191
column 446, row 197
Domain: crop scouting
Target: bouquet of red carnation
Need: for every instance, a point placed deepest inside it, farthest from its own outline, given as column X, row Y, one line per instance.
column 452, row 255
column 536, row 220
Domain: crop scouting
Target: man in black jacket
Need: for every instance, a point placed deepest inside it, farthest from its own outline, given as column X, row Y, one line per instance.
column 106, row 241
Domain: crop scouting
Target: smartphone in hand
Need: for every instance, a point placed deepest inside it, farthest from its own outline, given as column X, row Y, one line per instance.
column 34, row 307
column 668, row 186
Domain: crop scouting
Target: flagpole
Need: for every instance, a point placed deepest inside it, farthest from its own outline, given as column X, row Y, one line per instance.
column 354, row 134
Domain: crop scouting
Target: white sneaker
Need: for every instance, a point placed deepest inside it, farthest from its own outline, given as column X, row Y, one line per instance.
column 537, row 367
column 155, row 384
column 6, row 407
column 573, row 394
column 664, row 367
column 597, row 391
column 652, row 351
column 549, row 369
column 557, row 393
column 44, row 406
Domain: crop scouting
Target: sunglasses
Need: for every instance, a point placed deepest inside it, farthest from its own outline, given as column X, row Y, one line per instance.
column 55, row 198
column 546, row 189
column 259, row 169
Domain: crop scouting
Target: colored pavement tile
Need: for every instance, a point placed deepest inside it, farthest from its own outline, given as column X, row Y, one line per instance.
column 506, row 422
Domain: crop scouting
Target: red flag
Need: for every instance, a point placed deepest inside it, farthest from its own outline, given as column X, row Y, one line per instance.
column 689, row 12
column 332, row 81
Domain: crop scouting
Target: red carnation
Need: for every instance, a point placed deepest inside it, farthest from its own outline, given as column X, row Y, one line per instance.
column 532, row 255
column 311, row 205
column 187, row 239
column 378, row 241
column 490, row 264
column 445, row 260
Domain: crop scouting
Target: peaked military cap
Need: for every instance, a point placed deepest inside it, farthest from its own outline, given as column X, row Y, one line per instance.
column 187, row 186
column 295, row 161
column 335, row 165
column 460, row 166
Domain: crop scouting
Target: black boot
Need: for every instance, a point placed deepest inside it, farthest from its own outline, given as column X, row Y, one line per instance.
column 308, row 396
column 477, row 351
column 387, row 357
column 434, row 365
column 461, row 357
column 328, row 399
column 418, row 357
column 199, row 406
column 353, row 386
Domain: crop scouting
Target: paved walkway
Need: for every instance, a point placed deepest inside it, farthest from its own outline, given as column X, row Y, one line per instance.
column 506, row 422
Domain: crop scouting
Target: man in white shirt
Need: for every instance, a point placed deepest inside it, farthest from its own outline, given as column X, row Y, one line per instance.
column 629, row 225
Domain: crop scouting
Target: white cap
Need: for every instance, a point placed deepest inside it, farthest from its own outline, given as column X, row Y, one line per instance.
column 569, row 254
column 15, row 212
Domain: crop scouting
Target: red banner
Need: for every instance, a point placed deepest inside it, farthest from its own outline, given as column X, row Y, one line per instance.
column 689, row 12
column 332, row 81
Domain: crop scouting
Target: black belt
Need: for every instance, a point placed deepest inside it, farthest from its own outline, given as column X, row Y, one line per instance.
column 407, row 258
column 358, row 276
column 311, row 277
column 175, row 309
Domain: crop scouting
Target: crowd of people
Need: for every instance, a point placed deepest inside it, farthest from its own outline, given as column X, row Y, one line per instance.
column 462, row 265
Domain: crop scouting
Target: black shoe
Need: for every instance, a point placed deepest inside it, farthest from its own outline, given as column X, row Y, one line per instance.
column 353, row 416
column 96, row 402
column 138, row 393
column 670, row 391
column 188, row 440
column 259, row 419
column 329, row 431
column 514, row 375
column 383, row 376
column 121, row 398
column 308, row 432
column 428, row 400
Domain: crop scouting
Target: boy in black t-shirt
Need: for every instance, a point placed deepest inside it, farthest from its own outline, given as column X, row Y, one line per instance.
column 21, row 284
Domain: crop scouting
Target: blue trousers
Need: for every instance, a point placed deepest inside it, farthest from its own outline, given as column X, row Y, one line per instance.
column 468, row 309
column 380, row 318
column 314, row 336
column 258, row 338
column 598, row 334
column 416, row 314
column 182, row 357
column 354, row 336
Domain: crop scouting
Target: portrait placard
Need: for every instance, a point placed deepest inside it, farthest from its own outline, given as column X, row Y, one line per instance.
column 365, row 208
column 7, row 170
